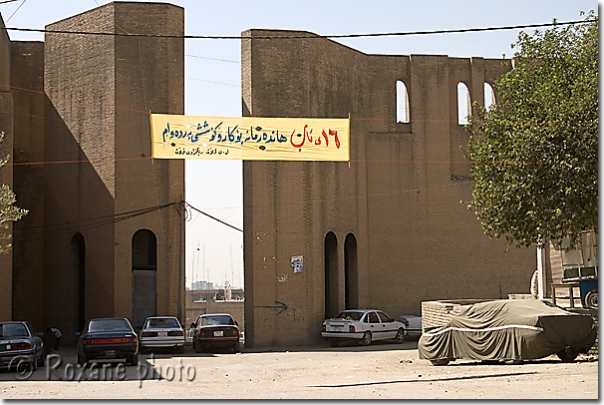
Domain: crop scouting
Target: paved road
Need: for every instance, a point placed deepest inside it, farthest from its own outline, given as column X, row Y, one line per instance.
column 380, row 371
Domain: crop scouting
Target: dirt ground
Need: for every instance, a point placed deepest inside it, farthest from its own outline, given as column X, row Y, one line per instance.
column 380, row 371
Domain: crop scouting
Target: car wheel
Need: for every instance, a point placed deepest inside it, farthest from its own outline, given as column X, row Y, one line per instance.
column 196, row 346
column 180, row 349
column 439, row 362
column 366, row 340
column 334, row 342
column 133, row 360
column 82, row 359
column 33, row 364
column 591, row 299
column 237, row 347
column 400, row 336
column 567, row 355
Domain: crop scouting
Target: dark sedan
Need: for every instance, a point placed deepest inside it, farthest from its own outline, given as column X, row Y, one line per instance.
column 215, row 330
column 20, row 344
column 108, row 338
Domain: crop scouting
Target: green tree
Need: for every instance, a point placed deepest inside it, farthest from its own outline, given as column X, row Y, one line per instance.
column 8, row 211
column 534, row 152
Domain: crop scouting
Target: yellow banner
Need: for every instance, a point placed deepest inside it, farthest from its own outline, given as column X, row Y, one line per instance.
column 250, row 138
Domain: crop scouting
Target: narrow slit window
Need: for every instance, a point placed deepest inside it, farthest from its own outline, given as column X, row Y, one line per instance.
column 463, row 103
column 402, row 103
column 489, row 96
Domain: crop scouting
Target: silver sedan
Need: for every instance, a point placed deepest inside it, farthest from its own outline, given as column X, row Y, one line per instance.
column 162, row 332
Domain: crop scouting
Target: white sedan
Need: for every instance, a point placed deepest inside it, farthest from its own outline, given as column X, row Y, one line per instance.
column 364, row 325
column 162, row 332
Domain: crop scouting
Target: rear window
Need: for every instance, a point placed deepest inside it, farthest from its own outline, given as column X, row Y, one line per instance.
column 350, row 315
column 217, row 320
column 162, row 323
column 100, row 325
column 13, row 330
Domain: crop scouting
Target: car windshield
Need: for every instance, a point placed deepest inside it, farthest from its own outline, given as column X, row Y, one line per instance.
column 217, row 320
column 350, row 315
column 105, row 325
column 162, row 323
column 13, row 330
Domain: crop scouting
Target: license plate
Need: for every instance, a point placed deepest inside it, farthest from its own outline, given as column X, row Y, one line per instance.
column 218, row 333
column 338, row 328
column 162, row 333
column 109, row 352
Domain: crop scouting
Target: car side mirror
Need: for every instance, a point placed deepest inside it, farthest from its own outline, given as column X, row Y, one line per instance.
column 78, row 334
column 236, row 324
column 193, row 325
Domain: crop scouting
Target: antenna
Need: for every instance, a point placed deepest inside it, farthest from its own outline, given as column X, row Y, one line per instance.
column 231, row 255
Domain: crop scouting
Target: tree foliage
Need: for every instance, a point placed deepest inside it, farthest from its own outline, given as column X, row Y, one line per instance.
column 9, row 213
column 534, row 152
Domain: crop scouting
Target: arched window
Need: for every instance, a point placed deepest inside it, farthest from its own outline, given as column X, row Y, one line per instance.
column 402, row 103
column 144, row 250
column 463, row 103
column 489, row 96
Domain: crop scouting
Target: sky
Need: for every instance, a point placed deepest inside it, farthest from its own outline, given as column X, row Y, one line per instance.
column 214, row 252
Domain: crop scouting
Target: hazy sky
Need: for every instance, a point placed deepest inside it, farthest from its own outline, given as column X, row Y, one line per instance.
column 213, row 82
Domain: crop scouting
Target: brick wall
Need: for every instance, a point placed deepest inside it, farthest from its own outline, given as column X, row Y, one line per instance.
column 6, row 173
column 398, row 198
column 82, row 107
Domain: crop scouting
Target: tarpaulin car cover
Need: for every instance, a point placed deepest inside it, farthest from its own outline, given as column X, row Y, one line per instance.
column 508, row 330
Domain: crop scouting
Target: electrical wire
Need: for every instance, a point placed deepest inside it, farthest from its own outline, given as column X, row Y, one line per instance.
column 308, row 36
column 214, row 218
column 15, row 12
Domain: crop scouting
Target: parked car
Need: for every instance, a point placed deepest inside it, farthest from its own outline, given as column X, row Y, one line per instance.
column 21, row 345
column 413, row 325
column 509, row 330
column 108, row 338
column 215, row 330
column 162, row 332
column 364, row 325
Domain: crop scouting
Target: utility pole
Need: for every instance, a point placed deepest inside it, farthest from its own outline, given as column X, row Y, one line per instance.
column 181, row 279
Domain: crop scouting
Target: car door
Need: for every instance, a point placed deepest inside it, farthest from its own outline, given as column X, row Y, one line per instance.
column 375, row 325
column 388, row 326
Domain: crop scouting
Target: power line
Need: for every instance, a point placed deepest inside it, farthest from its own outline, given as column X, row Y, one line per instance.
column 311, row 36
column 15, row 12
column 214, row 218
column 220, row 60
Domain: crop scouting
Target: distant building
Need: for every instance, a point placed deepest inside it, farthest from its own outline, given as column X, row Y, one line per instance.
column 201, row 285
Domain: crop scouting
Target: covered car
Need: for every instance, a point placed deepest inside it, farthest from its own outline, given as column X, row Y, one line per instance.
column 509, row 330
